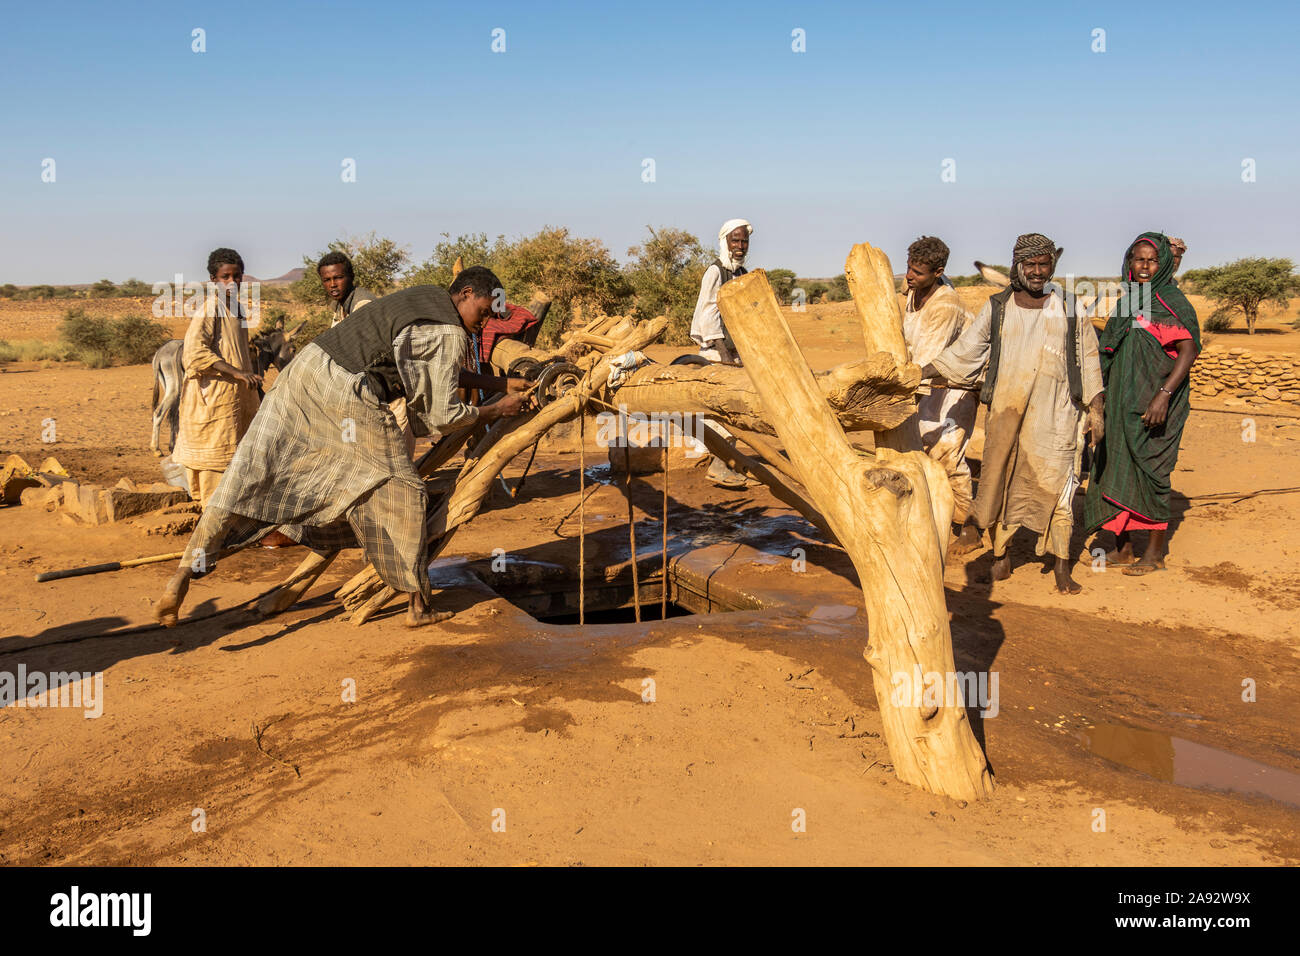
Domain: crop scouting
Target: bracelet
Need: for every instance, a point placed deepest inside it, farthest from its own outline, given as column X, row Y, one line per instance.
column 1166, row 391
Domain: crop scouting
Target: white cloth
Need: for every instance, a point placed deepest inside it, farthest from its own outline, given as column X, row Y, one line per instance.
column 724, row 251
column 625, row 365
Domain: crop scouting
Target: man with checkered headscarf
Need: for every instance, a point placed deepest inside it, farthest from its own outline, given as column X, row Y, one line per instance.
column 1041, row 378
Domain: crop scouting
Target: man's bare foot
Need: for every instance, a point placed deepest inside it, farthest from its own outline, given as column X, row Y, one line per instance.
column 1121, row 557
column 1001, row 569
column 970, row 538
column 169, row 605
column 1145, row 566
column 418, row 614
column 1064, row 583
column 278, row 539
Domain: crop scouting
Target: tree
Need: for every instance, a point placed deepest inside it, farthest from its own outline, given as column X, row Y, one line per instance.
column 782, row 282
column 1241, row 286
column 376, row 263
column 472, row 249
column 664, row 275
column 103, row 289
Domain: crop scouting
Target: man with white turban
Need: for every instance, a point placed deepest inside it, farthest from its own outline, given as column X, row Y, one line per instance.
column 706, row 327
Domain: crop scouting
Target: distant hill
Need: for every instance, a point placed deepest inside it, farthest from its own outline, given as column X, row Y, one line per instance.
column 293, row 275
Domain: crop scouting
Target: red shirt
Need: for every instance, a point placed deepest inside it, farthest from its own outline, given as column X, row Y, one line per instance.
column 512, row 325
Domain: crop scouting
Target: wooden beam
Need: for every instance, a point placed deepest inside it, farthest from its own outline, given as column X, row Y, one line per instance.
column 891, row 517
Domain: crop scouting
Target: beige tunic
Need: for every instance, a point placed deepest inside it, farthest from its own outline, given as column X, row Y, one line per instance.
column 1033, row 427
column 947, row 415
column 215, row 412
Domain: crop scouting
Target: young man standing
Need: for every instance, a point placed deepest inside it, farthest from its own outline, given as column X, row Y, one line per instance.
column 1041, row 373
column 219, row 394
column 932, row 321
column 335, row 271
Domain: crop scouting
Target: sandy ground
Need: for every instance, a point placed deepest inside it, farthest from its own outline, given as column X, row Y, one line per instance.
column 759, row 717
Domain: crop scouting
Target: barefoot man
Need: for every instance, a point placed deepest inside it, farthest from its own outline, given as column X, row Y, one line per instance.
column 1042, row 374
column 219, row 394
column 324, row 458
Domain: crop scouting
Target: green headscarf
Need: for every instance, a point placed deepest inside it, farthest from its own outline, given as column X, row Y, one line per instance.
column 1132, row 465
column 1167, row 306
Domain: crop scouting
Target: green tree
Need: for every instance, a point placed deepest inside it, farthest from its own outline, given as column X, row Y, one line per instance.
column 1242, row 286
column 376, row 264
column 782, row 283
column 103, row 289
column 8, row 290
column 473, row 250
column 664, row 275
column 134, row 288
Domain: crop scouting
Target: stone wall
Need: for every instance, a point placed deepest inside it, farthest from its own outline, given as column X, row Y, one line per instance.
column 1244, row 373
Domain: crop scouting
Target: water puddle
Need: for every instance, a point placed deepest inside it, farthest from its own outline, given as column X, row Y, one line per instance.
column 1189, row 764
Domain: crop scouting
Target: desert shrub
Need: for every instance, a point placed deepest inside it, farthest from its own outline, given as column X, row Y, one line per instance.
column 89, row 339
column 376, row 265
column 782, row 282
column 135, row 339
column 34, row 350
column 98, row 342
column 134, row 289
column 665, row 274
column 103, row 289
column 473, row 250
column 1220, row 320
column 839, row 290
column 8, row 290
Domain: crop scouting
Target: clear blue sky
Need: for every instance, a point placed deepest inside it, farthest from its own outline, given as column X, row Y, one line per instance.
column 163, row 154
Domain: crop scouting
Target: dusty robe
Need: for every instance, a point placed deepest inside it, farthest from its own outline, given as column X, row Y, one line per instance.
column 214, row 411
column 1033, row 434
column 325, row 459
column 947, row 415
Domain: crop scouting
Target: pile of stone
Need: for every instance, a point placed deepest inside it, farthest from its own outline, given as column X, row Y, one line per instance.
column 1242, row 373
column 50, row 487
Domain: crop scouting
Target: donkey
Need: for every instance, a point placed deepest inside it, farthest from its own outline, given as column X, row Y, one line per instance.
column 269, row 349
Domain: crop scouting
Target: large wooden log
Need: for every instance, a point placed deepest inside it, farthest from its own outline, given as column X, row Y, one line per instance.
column 871, row 282
column 891, row 516
column 874, row 393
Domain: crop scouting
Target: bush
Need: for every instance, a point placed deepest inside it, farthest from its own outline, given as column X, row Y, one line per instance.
column 33, row 350
column 664, row 275
column 135, row 339
column 98, row 342
column 376, row 264
column 1220, row 320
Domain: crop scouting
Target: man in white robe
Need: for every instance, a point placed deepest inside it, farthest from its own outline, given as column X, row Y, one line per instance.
column 1042, row 375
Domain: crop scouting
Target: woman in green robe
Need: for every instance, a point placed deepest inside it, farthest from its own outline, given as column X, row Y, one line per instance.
column 1147, row 348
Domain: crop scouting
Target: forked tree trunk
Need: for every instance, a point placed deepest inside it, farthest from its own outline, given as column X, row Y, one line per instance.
column 869, row 394
column 891, row 515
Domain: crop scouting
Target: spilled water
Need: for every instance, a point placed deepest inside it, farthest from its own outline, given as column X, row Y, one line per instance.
column 1189, row 764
